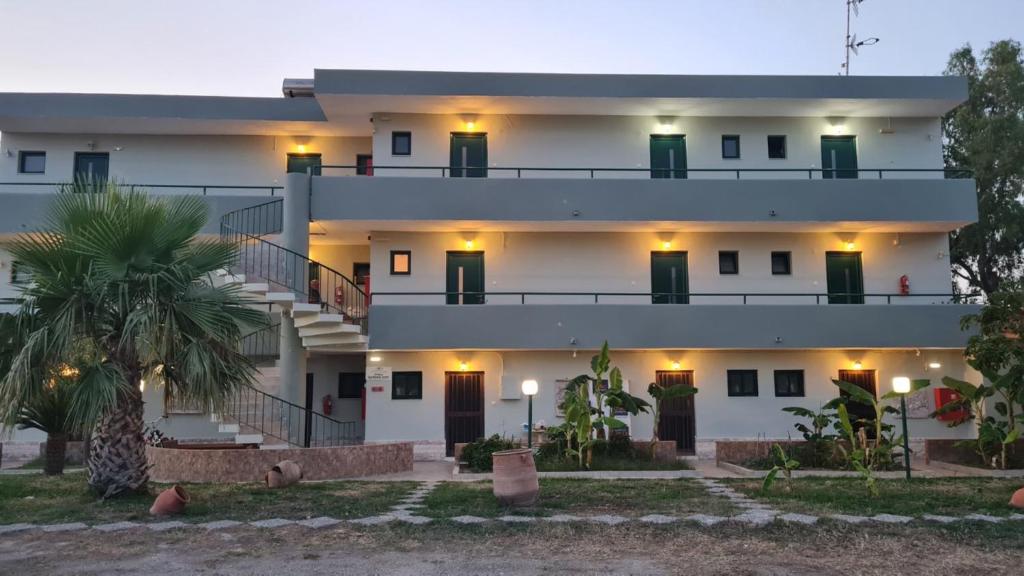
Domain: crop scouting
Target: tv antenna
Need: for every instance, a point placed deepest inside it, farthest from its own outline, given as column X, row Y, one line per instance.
column 852, row 44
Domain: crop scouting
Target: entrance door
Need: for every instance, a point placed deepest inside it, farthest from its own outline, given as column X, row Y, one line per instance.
column 845, row 278
column 866, row 380
column 364, row 165
column 301, row 162
column 92, row 166
column 669, row 279
column 677, row 414
column 463, row 408
column 838, row 157
column 465, row 278
column 668, row 156
column 468, row 155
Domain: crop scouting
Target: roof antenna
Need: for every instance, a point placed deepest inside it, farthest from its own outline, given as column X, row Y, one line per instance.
column 851, row 41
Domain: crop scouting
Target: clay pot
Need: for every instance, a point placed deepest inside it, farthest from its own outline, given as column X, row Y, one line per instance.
column 515, row 477
column 170, row 501
column 285, row 473
column 1017, row 500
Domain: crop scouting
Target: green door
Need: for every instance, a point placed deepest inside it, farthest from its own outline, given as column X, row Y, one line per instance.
column 670, row 282
column 838, row 157
column 92, row 166
column 845, row 278
column 468, row 155
column 465, row 278
column 668, row 156
column 301, row 162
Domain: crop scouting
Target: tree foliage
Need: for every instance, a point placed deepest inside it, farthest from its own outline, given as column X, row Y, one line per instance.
column 986, row 134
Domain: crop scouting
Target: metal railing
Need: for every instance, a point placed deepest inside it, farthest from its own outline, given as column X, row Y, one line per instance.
column 259, row 220
column 199, row 189
column 503, row 297
column 291, row 423
column 667, row 173
column 263, row 345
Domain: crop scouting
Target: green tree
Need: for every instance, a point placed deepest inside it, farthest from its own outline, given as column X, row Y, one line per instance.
column 986, row 134
column 122, row 282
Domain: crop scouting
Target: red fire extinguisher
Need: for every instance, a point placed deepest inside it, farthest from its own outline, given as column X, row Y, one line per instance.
column 328, row 405
column 904, row 285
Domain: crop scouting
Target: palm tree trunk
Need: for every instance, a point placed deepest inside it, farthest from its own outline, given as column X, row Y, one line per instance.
column 117, row 457
column 56, row 447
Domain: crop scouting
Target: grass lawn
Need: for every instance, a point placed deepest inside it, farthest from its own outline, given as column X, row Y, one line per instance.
column 945, row 496
column 40, row 499
column 583, row 497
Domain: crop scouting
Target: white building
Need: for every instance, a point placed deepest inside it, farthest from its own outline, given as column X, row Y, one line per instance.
column 755, row 236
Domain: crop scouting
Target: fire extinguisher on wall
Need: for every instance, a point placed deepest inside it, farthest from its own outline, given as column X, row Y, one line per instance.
column 904, row 285
column 328, row 405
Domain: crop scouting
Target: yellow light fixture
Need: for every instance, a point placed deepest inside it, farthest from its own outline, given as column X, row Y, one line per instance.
column 470, row 125
column 530, row 387
column 469, row 244
column 901, row 384
column 850, row 245
column 463, row 366
column 934, row 365
column 676, row 365
column 857, row 365
column 374, row 358
column 301, row 148
column 666, row 245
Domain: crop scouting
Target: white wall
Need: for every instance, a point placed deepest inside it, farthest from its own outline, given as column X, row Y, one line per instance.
column 340, row 257
column 624, row 142
column 718, row 416
column 620, row 262
column 167, row 159
column 325, row 369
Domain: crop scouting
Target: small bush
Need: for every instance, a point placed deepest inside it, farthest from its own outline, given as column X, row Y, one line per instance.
column 478, row 454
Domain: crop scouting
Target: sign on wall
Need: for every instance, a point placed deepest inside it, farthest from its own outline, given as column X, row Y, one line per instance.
column 378, row 378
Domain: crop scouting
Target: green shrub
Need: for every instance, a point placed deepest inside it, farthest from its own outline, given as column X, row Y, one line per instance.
column 478, row 454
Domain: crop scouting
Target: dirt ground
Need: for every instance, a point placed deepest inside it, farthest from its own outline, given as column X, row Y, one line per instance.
column 515, row 550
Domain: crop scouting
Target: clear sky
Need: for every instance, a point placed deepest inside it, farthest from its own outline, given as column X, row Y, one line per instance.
column 246, row 47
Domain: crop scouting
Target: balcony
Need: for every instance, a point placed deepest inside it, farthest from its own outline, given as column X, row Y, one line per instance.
column 882, row 200
column 562, row 321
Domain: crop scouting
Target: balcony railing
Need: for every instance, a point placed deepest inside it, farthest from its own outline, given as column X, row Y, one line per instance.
column 181, row 189
column 419, row 298
column 666, row 173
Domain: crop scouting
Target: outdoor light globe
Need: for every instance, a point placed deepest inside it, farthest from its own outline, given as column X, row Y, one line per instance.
column 529, row 387
column 901, row 384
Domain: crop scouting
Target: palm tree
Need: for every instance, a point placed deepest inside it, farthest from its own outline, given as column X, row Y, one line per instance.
column 49, row 412
column 121, row 282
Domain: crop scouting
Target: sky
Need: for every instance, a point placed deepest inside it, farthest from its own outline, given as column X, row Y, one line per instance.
column 245, row 48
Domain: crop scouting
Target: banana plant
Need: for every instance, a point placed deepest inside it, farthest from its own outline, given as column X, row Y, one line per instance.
column 660, row 394
column 860, row 451
column 991, row 435
column 784, row 464
column 880, row 449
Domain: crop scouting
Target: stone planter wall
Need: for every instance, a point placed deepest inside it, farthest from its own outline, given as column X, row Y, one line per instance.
column 739, row 451
column 75, row 452
column 947, row 451
column 211, row 466
column 665, row 451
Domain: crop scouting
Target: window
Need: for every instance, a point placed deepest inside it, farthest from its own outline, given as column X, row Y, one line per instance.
column 777, row 147
column 782, row 264
column 401, row 262
column 406, row 385
column 31, row 162
column 729, row 262
column 401, row 143
column 789, row 382
column 350, row 385
column 742, row 382
column 730, row 146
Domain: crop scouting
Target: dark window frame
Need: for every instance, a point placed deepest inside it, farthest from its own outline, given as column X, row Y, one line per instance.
column 417, row 395
column 394, row 253
column 785, row 147
column 735, row 254
column 789, row 262
column 741, row 392
column 789, row 393
column 394, row 142
column 349, row 396
column 24, row 154
column 728, row 137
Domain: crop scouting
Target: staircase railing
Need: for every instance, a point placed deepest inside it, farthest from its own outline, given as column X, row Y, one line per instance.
column 263, row 345
column 288, row 422
column 286, row 270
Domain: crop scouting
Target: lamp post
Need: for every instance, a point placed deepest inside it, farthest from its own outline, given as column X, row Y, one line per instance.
column 530, row 389
column 901, row 386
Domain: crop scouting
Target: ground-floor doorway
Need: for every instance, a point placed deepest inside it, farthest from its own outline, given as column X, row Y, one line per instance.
column 463, row 408
column 677, row 414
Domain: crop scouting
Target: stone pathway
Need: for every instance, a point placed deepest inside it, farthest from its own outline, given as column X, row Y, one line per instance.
column 752, row 513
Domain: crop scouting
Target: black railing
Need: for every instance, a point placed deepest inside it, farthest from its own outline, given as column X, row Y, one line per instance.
column 283, row 269
column 291, row 423
column 263, row 345
column 259, row 220
column 202, row 189
column 668, row 173
column 502, row 297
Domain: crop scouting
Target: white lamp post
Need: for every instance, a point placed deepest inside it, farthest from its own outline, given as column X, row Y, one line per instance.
column 901, row 386
column 530, row 389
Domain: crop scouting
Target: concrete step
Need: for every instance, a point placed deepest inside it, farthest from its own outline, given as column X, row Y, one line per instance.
column 249, row 439
column 319, row 319
column 328, row 329
column 337, row 339
column 228, row 429
column 256, row 287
